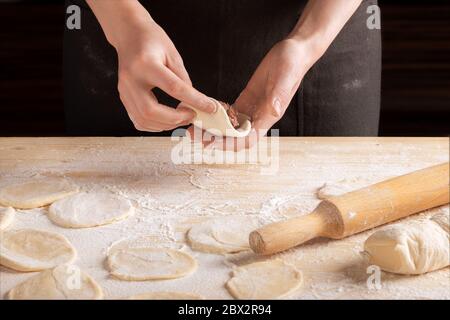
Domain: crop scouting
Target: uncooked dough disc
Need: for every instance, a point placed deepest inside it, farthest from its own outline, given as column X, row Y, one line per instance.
column 34, row 250
column 86, row 210
column 36, row 193
column 65, row 282
column 264, row 280
column 223, row 235
column 166, row 296
column 137, row 260
column 6, row 217
column 416, row 248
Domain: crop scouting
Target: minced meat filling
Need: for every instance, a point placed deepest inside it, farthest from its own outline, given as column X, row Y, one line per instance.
column 232, row 114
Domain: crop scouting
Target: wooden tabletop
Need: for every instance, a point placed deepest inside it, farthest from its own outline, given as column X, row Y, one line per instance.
column 171, row 197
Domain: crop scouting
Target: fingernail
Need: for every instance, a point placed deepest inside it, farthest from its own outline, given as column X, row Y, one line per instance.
column 191, row 114
column 277, row 108
column 211, row 106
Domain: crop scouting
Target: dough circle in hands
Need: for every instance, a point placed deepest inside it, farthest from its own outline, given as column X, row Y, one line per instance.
column 219, row 123
column 36, row 193
column 34, row 250
column 86, row 210
column 6, row 217
column 222, row 235
column 166, row 296
column 137, row 260
column 417, row 248
column 65, row 282
column 264, row 280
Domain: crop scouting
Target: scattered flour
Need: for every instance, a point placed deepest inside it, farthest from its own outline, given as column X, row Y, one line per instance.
column 169, row 199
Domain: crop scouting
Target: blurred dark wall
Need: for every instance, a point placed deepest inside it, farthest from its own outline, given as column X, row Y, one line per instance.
column 416, row 72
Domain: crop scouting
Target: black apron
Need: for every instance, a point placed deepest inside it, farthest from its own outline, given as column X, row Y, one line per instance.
column 222, row 42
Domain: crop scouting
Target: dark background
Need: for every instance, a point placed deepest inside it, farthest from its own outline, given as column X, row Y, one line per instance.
column 415, row 87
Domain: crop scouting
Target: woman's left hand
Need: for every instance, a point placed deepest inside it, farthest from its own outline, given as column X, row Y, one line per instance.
column 268, row 93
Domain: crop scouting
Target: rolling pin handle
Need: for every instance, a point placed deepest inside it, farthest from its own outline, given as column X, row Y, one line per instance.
column 286, row 234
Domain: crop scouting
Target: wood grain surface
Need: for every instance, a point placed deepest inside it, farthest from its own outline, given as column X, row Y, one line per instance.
column 170, row 198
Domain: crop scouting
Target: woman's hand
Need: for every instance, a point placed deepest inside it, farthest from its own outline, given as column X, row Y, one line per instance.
column 279, row 75
column 269, row 91
column 148, row 59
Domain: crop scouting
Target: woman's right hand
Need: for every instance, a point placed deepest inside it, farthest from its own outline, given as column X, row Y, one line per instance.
column 149, row 59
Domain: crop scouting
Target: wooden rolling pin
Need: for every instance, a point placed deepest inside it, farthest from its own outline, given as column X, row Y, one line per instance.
column 344, row 215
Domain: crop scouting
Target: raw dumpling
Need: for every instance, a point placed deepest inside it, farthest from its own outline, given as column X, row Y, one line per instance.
column 220, row 124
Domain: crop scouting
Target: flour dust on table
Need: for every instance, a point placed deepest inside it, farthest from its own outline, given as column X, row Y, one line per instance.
column 170, row 199
column 166, row 296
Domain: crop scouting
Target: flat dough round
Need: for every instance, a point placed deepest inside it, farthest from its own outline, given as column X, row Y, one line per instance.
column 416, row 248
column 34, row 250
column 65, row 282
column 222, row 235
column 6, row 217
column 166, row 296
column 136, row 260
column 264, row 280
column 36, row 193
column 85, row 210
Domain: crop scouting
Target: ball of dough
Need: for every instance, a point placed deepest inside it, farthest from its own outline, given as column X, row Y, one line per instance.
column 166, row 296
column 6, row 217
column 86, row 210
column 417, row 248
column 65, row 282
column 222, row 235
column 264, row 280
column 36, row 193
column 34, row 250
column 136, row 260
